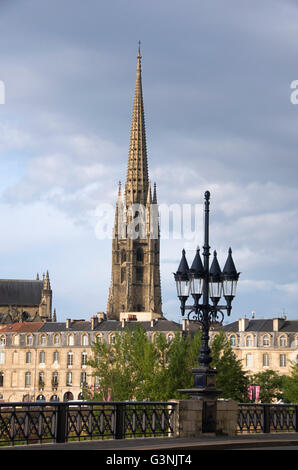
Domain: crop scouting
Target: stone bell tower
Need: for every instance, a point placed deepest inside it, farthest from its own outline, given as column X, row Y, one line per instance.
column 135, row 291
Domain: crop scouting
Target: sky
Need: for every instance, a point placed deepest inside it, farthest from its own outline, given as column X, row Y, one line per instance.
column 219, row 116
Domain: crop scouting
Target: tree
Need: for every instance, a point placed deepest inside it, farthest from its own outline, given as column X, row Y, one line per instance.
column 290, row 385
column 231, row 379
column 136, row 368
column 270, row 385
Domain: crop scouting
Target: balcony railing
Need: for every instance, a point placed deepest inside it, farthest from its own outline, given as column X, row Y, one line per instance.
column 26, row 423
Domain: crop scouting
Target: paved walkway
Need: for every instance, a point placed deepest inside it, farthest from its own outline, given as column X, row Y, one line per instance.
column 284, row 441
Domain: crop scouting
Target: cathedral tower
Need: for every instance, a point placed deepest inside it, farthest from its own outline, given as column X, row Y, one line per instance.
column 135, row 291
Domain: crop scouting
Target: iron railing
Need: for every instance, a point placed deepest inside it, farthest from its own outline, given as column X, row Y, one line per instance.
column 267, row 417
column 27, row 423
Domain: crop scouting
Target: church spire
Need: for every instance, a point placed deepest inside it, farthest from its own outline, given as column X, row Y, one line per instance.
column 136, row 187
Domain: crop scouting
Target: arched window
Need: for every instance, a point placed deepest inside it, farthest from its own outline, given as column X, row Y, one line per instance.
column 70, row 340
column 56, row 339
column 84, row 340
column 140, row 255
column 170, row 337
column 43, row 339
column 248, row 341
column 283, row 341
column 266, row 340
column 233, row 340
column 2, row 340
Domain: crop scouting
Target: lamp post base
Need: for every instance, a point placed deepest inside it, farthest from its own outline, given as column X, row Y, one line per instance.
column 205, row 389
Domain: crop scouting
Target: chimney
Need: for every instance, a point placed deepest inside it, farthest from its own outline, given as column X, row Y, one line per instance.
column 243, row 324
column 68, row 322
column 94, row 322
column 277, row 323
column 101, row 316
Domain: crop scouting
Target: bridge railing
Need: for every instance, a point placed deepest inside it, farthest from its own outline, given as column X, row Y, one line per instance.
column 267, row 417
column 37, row 422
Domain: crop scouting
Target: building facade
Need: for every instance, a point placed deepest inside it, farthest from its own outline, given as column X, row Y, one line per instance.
column 135, row 290
column 48, row 360
column 263, row 344
column 25, row 300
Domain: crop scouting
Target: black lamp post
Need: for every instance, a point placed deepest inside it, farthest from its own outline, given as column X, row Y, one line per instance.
column 208, row 285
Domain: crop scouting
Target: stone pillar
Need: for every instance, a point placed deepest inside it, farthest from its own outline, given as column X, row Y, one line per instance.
column 189, row 418
column 227, row 417
column 190, row 414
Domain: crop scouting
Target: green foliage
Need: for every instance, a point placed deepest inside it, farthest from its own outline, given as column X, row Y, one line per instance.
column 136, row 368
column 270, row 385
column 290, row 386
column 231, row 379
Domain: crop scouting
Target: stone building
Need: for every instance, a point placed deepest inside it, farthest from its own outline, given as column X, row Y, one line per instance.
column 135, row 290
column 48, row 360
column 263, row 344
column 25, row 300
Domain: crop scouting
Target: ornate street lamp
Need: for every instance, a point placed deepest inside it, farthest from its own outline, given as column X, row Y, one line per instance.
column 206, row 286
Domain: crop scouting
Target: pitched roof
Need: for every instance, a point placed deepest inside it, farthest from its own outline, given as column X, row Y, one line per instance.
column 24, row 327
column 20, row 292
column 262, row 324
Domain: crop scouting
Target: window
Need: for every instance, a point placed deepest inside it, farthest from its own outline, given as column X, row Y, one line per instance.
column 55, row 379
column 29, row 340
column 69, row 379
column 70, row 340
column 28, row 357
column 282, row 341
column 56, row 339
column 282, row 360
column 16, row 340
column 2, row 340
column 139, row 274
column 85, row 340
column 27, row 379
column 2, row 357
column 123, row 274
column 266, row 341
column 84, row 359
column 248, row 360
column 43, row 339
column 1, row 379
column 140, row 255
column 99, row 338
column 42, row 357
column 69, row 359
column 265, row 360
column 41, row 379
column 112, row 339
column 233, row 340
column 170, row 338
column 83, row 379
column 248, row 341
column 56, row 356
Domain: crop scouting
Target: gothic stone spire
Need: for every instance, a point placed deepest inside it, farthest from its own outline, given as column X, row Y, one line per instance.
column 136, row 187
column 135, row 285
